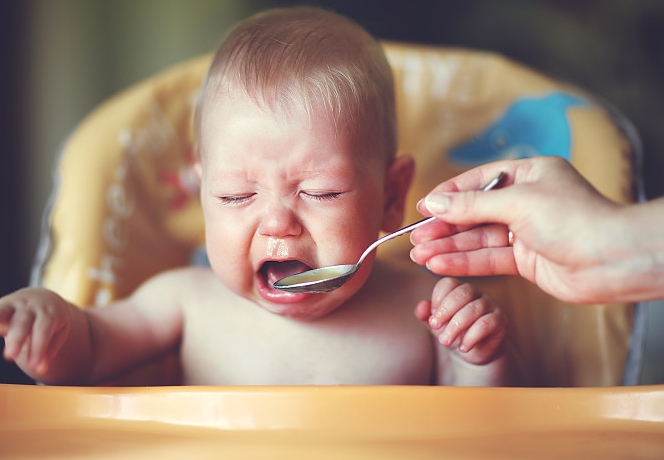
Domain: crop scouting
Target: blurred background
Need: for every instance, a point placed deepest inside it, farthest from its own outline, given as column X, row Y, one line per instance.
column 60, row 58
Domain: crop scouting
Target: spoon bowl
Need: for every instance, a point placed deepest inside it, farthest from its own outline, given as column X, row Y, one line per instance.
column 327, row 279
column 318, row 280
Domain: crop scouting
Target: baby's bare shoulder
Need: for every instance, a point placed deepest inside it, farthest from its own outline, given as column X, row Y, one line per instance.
column 180, row 283
column 193, row 292
column 179, row 278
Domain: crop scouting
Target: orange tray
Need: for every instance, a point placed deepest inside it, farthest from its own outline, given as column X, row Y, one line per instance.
column 331, row 422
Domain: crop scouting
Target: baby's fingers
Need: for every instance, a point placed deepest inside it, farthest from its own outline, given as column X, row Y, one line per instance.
column 6, row 313
column 18, row 334
column 449, row 295
column 48, row 335
column 485, row 335
column 423, row 310
column 457, row 327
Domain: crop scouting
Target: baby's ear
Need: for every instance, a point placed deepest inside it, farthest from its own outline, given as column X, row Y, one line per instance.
column 198, row 169
column 398, row 178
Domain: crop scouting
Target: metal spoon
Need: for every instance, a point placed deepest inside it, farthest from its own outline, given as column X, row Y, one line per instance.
column 326, row 279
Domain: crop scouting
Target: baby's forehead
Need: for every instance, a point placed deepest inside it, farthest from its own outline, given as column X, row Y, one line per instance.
column 225, row 106
column 361, row 136
column 291, row 101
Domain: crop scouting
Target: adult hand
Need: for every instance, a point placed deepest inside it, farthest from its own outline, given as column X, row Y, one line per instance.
column 570, row 240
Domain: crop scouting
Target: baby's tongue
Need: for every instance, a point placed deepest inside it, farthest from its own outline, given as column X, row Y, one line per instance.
column 274, row 271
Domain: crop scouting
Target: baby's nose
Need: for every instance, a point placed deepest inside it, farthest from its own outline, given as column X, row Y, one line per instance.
column 279, row 220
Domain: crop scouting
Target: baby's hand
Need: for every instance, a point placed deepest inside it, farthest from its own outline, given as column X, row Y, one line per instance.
column 35, row 323
column 461, row 316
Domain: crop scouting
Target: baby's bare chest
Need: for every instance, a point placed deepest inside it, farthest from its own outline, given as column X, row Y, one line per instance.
column 227, row 350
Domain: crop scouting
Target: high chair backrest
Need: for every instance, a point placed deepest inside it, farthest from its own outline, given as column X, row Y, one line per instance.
column 125, row 204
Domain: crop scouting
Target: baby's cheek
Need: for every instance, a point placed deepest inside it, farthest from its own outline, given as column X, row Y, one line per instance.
column 237, row 277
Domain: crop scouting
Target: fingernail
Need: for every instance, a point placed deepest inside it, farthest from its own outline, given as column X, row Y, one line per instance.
column 437, row 203
column 446, row 338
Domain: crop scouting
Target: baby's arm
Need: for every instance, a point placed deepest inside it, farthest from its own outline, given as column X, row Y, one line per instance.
column 470, row 331
column 55, row 342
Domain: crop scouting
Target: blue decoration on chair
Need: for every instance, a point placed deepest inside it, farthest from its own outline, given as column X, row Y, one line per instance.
column 531, row 126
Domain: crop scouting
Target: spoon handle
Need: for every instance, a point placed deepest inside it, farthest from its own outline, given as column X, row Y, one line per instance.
column 419, row 223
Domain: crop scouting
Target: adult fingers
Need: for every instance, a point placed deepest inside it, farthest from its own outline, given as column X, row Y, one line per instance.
column 430, row 243
column 482, row 262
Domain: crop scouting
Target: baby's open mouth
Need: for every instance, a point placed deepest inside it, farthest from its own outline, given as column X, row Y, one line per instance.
column 273, row 271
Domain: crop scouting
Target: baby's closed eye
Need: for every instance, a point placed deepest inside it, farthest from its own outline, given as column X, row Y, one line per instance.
column 235, row 199
column 320, row 195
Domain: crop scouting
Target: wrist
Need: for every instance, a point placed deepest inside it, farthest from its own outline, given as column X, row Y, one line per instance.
column 465, row 373
column 633, row 253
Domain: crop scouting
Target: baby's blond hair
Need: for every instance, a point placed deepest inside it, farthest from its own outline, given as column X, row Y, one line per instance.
column 308, row 59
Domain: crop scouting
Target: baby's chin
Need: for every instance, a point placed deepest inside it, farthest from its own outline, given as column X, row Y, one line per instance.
column 302, row 312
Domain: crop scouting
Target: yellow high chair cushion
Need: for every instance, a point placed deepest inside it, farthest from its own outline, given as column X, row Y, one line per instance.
column 126, row 205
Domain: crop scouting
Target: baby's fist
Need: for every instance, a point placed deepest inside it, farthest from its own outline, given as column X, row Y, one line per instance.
column 461, row 316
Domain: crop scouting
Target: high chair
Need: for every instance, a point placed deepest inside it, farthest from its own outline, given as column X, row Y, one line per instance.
column 125, row 203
